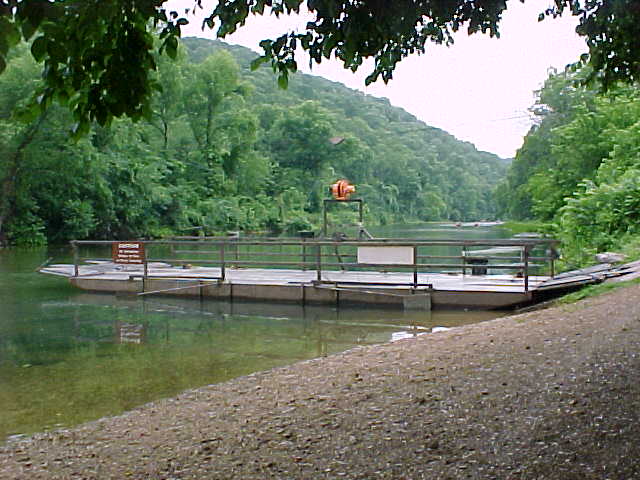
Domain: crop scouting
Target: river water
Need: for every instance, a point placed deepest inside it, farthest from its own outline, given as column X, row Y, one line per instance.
column 67, row 357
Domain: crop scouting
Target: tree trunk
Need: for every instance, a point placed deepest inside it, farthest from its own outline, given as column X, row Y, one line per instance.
column 9, row 182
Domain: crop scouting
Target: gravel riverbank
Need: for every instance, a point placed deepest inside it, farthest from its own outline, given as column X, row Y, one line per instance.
column 546, row 394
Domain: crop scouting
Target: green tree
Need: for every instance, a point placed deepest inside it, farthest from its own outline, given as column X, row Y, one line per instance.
column 169, row 105
column 16, row 85
column 299, row 142
column 579, row 167
column 98, row 55
column 558, row 103
column 227, row 149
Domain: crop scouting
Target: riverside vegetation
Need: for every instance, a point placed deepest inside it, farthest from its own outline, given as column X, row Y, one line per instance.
column 578, row 170
column 225, row 149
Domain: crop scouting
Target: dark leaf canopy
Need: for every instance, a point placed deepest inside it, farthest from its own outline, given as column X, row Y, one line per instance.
column 98, row 54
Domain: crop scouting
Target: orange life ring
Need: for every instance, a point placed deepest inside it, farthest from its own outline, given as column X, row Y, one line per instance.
column 342, row 189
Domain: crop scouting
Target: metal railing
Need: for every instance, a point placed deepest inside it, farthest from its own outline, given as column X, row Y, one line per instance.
column 321, row 255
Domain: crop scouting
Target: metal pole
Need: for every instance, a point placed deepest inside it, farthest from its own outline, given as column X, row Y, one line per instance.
column 222, row 265
column 304, row 254
column 415, row 267
column 74, row 246
column 464, row 260
column 319, row 263
column 526, row 269
column 146, row 265
column 145, row 273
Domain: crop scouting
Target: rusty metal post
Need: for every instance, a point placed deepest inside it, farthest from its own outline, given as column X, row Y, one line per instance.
column 146, row 265
column 526, row 269
column 304, row 236
column 145, row 272
column 74, row 246
column 223, row 273
column 319, row 262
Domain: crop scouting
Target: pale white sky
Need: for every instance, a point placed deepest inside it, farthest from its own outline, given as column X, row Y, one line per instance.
column 479, row 90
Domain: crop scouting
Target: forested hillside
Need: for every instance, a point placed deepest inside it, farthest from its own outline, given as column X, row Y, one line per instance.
column 579, row 168
column 225, row 148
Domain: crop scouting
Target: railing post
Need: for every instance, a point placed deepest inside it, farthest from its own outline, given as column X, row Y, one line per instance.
column 74, row 246
column 415, row 266
column 223, row 272
column 464, row 260
column 235, row 238
column 304, row 236
column 146, row 264
column 304, row 254
column 526, row 268
column 319, row 262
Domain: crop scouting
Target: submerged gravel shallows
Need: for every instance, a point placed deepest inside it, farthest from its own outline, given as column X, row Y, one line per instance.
column 547, row 394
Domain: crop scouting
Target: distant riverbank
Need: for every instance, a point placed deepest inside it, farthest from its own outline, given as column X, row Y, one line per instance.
column 546, row 394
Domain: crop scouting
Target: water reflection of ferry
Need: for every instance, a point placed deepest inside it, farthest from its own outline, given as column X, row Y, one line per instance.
column 136, row 320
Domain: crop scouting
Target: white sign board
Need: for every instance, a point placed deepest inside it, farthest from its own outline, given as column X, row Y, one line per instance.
column 386, row 255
